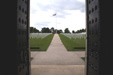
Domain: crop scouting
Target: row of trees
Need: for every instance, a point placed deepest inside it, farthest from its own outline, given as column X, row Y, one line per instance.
column 52, row 30
column 33, row 30
column 79, row 31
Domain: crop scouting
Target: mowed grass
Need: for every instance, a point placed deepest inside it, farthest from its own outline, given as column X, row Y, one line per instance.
column 43, row 44
column 31, row 58
column 70, row 44
column 83, row 58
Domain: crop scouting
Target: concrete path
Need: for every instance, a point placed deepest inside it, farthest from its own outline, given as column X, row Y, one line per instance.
column 58, row 70
column 57, row 54
column 57, row 60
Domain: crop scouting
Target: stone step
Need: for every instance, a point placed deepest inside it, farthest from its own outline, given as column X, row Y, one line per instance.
column 57, row 69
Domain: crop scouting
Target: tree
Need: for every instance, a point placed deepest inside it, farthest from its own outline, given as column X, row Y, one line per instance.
column 52, row 30
column 59, row 31
column 45, row 30
column 73, row 31
column 66, row 30
column 80, row 31
column 33, row 30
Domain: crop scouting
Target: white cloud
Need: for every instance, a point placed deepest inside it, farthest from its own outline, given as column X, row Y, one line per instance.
column 83, row 1
column 70, row 14
column 74, row 21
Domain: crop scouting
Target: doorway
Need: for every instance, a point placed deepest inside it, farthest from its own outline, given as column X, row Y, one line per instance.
column 57, row 21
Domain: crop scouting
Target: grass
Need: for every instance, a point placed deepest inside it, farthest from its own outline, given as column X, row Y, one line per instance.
column 43, row 44
column 70, row 44
column 31, row 58
column 83, row 58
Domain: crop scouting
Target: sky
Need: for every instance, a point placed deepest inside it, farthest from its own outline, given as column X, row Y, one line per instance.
column 69, row 14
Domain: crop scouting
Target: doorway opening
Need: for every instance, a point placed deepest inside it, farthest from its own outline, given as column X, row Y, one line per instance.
column 59, row 22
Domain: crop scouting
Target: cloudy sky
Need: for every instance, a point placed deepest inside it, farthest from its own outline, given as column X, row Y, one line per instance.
column 69, row 14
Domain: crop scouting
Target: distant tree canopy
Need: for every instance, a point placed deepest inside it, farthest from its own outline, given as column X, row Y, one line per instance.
column 51, row 30
column 73, row 31
column 80, row 31
column 66, row 30
column 33, row 30
column 46, row 30
column 59, row 31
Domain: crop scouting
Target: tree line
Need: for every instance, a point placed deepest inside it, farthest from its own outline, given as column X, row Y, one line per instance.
column 79, row 31
column 53, row 30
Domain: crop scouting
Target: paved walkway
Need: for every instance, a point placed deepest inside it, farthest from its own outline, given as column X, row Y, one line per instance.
column 57, row 54
column 57, row 70
column 57, row 60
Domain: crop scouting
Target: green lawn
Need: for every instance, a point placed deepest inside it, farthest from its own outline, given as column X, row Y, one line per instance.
column 83, row 58
column 31, row 58
column 43, row 44
column 70, row 44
